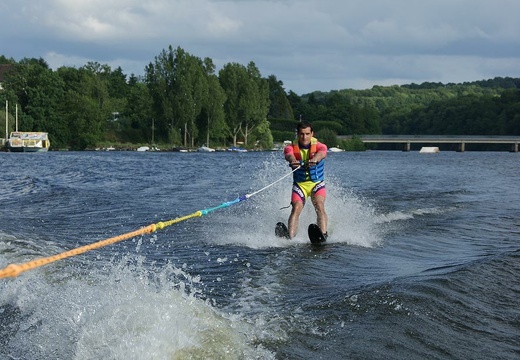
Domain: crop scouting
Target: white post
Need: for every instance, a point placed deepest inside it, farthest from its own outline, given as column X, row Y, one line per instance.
column 16, row 118
column 6, row 120
column 153, row 131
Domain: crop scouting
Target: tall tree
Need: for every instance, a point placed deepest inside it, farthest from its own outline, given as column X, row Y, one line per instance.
column 213, row 119
column 158, row 78
column 85, row 105
column 190, row 85
column 232, row 78
column 247, row 101
column 258, row 101
column 138, row 111
column 279, row 108
column 177, row 85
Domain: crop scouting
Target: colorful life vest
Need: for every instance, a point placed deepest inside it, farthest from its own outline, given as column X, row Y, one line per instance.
column 304, row 173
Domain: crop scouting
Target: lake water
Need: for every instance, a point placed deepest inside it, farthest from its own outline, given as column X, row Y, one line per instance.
column 422, row 261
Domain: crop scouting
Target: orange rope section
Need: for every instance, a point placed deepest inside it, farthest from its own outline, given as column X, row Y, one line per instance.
column 14, row 270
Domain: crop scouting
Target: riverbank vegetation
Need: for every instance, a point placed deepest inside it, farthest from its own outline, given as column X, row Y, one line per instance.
column 183, row 101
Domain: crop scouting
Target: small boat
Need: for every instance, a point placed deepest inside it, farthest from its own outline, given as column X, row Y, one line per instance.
column 236, row 149
column 143, row 148
column 205, row 149
column 20, row 141
column 180, row 149
column 429, row 150
column 335, row 149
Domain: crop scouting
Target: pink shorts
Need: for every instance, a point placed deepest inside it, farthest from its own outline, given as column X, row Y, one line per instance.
column 303, row 190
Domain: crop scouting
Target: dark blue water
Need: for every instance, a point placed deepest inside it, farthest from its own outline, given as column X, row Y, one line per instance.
column 423, row 259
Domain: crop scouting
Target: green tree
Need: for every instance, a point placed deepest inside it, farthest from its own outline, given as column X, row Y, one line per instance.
column 509, row 111
column 138, row 112
column 85, row 106
column 213, row 119
column 233, row 78
column 177, row 84
column 5, row 60
column 328, row 137
column 296, row 103
column 279, row 108
column 258, row 102
column 84, row 125
column 190, row 85
column 247, row 102
column 118, row 86
column 354, row 144
column 261, row 137
column 39, row 92
column 159, row 80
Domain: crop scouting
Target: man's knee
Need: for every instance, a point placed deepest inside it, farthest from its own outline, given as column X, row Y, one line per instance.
column 297, row 206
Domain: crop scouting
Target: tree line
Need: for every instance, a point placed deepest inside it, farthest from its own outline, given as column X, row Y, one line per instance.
column 179, row 101
column 182, row 101
column 490, row 107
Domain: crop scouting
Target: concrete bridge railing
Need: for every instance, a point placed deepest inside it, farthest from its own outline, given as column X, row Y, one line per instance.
column 461, row 140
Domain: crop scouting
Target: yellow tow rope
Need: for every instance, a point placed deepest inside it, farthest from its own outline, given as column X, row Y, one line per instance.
column 14, row 270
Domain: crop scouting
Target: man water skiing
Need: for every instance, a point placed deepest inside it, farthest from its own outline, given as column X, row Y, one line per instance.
column 307, row 155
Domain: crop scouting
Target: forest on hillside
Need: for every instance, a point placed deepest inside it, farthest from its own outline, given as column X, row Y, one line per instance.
column 182, row 100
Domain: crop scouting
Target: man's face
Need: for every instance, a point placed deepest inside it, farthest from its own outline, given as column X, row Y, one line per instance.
column 304, row 136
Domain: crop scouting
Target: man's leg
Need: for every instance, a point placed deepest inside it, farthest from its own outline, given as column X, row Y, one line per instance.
column 319, row 205
column 294, row 218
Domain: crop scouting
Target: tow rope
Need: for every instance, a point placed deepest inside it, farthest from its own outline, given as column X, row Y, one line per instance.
column 14, row 270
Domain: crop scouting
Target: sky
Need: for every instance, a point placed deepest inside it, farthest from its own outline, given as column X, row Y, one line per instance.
column 309, row 45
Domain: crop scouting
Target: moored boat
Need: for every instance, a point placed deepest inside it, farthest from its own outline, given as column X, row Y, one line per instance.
column 20, row 141
column 205, row 149
column 335, row 149
column 429, row 150
column 236, row 149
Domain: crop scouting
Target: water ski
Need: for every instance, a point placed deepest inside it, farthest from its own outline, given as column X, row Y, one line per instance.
column 281, row 230
column 315, row 235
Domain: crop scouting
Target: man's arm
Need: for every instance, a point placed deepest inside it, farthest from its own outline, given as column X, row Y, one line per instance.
column 290, row 158
column 321, row 153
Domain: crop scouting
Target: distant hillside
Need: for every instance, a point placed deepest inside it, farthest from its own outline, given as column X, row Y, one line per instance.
column 485, row 107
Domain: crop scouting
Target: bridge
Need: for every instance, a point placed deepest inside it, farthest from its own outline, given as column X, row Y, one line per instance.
column 460, row 140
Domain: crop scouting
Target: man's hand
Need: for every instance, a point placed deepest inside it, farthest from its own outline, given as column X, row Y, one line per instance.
column 294, row 164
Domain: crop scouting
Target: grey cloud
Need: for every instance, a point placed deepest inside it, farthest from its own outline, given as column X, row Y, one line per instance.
column 308, row 44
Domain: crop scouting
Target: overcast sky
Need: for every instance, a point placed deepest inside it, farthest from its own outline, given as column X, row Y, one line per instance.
column 307, row 44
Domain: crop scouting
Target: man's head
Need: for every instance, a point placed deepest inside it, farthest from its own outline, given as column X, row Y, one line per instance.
column 304, row 132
